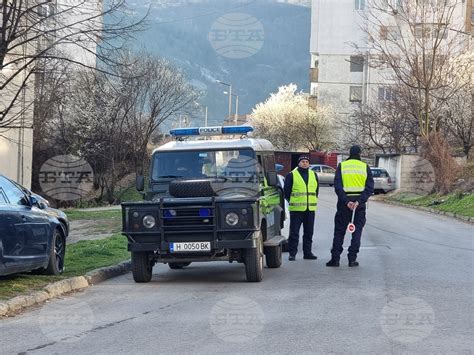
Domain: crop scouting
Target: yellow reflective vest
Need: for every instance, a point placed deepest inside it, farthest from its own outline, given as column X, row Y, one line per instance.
column 354, row 176
column 303, row 197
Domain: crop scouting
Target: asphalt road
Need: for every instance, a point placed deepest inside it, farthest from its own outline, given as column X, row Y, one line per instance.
column 413, row 293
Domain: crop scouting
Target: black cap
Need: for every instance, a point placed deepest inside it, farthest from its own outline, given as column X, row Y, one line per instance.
column 303, row 157
column 355, row 151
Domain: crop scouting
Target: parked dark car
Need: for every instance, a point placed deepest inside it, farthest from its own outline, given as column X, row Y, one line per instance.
column 32, row 235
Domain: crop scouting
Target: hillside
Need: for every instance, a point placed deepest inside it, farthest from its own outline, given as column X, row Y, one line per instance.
column 182, row 33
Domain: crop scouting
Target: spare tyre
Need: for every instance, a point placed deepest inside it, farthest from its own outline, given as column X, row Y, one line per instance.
column 191, row 188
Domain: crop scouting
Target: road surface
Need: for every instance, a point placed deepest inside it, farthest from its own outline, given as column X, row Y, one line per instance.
column 413, row 293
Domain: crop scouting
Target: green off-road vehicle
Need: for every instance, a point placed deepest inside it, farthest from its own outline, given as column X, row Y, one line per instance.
column 207, row 200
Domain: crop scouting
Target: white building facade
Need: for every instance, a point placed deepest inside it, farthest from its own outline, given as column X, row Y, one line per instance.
column 16, row 140
column 342, row 73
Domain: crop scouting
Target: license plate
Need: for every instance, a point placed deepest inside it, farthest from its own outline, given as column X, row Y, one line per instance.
column 190, row 247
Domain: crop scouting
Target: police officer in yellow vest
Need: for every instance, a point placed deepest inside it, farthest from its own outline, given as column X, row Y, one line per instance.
column 301, row 192
column 354, row 185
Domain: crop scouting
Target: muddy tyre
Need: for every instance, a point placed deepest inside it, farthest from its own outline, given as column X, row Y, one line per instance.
column 254, row 262
column 142, row 266
column 273, row 256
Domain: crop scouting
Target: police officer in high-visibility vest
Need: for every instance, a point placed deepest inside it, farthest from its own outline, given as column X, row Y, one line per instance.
column 354, row 185
column 301, row 192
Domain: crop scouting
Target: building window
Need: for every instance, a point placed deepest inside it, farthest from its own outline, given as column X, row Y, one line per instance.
column 386, row 94
column 431, row 31
column 355, row 94
column 357, row 63
column 390, row 33
column 359, row 4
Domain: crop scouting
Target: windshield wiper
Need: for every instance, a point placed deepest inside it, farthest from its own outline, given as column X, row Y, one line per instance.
column 169, row 176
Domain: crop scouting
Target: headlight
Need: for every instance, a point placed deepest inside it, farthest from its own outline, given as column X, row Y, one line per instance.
column 149, row 221
column 232, row 218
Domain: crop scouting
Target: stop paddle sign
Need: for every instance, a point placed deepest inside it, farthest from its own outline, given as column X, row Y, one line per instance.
column 351, row 228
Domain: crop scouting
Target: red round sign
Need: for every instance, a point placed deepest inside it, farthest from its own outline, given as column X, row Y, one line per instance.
column 351, row 228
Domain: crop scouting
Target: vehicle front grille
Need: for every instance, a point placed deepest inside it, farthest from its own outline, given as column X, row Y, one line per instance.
column 176, row 219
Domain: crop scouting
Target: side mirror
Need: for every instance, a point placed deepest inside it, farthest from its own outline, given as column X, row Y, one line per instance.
column 36, row 202
column 140, row 183
column 279, row 167
column 272, row 179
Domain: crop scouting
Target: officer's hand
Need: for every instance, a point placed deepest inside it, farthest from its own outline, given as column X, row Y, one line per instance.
column 350, row 205
column 355, row 205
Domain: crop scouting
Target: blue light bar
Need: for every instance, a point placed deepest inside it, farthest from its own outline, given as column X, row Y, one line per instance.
column 185, row 132
column 210, row 131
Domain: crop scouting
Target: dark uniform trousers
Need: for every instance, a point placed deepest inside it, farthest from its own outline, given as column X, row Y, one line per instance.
column 341, row 220
column 296, row 219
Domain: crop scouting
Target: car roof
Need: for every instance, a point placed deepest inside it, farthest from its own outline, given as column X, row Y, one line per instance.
column 254, row 144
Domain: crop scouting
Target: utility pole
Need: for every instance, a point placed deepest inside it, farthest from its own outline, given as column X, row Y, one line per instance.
column 230, row 96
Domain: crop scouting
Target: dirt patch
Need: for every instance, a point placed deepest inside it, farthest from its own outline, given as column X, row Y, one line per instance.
column 92, row 229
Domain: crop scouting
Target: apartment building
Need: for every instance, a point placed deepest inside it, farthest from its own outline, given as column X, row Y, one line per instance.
column 16, row 140
column 342, row 73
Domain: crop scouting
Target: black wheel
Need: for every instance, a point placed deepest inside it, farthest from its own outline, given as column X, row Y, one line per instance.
column 254, row 262
column 273, row 256
column 56, row 255
column 142, row 266
column 178, row 265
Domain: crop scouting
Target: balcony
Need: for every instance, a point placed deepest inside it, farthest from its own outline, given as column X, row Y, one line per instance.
column 313, row 101
column 313, row 75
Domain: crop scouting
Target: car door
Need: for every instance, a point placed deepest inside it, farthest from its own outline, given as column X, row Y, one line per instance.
column 9, row 242
column 327, row 175
column 270, row 203
column 31, row 226
column 317, row 170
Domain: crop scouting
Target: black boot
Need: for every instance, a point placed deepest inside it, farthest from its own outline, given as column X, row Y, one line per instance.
column 291, row 258
column 310, row 256
column 353, row 263
column 333, row 262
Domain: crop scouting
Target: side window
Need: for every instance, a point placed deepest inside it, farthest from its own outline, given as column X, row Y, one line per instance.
column 13, row 193
column 3, row 200
column 261, row 167
column 317, row 169
column 269, row 162
column 328, row 170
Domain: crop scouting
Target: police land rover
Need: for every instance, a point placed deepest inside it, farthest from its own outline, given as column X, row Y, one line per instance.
column 207, row 200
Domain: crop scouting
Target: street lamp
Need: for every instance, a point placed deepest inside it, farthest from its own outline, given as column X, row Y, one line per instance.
column 236, row 106
column 230, row 96
column 205, row 109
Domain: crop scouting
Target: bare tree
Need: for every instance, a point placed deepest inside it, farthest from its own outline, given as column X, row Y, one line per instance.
column 112, row 118
column 417, row 40
column 36, row 32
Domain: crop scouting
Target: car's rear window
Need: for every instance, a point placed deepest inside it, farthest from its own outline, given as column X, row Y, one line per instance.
column 379, row 173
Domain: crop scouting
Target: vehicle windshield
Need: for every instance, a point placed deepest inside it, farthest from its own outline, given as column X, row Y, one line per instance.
column 379, row 173
column 234, row 168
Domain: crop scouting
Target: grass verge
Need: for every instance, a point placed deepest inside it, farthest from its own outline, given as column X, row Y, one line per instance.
column 82, row 257
column 76, row 214
column 458, row 203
